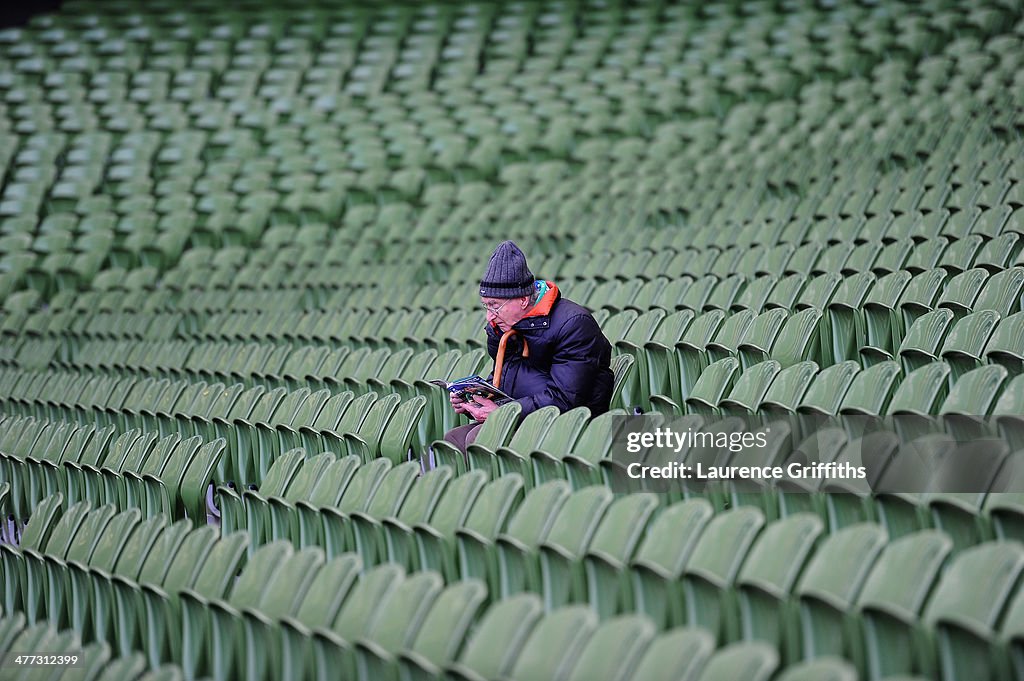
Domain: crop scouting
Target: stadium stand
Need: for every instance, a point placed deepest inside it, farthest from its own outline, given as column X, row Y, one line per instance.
column 238, row 240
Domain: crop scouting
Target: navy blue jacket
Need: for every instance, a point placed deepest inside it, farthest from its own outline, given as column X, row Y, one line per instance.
column 569, row 362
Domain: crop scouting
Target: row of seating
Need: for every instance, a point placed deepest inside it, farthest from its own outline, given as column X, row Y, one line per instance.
column 990, row 240
column 173, row 250
column 867, row 332
column 159, row 401
column 637, row 290
column 725, row 388
column 368, row 428
column 990, row 222
column 92, row 662
column 640, row 268
column 960, row 200
column 915, row 470
column 1003, row 220
column 259, row 424
column 410, row 77
column 323, row 153
column 733, row 585
column 750, row 285
column 88, row 462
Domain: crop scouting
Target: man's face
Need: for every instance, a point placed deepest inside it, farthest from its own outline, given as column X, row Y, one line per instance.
column 504, row 312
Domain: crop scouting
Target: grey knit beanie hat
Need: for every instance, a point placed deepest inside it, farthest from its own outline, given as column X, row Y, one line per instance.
column 507, row 275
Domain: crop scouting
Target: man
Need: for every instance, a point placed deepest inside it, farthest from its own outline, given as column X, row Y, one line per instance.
column 554, row 355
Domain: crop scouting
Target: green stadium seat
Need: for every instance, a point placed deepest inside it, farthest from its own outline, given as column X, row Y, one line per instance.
column 892, row 600
column 503, row 628
column 248, row 509
column 385, row 502
column 614, row 648
column 561, row 436
column 527, row 527
column 184, row 567
column 659, row 350
column 827, row 589
column 921, row 294
column 83, row 545
column 760, row 336
column 561, row 550
column 769, row 575
column 513, row 457
column 965, row 618
column 222, row 648
column 788, row 388
column 750, row 388
column 555, row 643
column 681, row 653
column 715, row 382
column 920, row 393
column 691, row 357
column 757, row 660
column 152, row 567
column 435, row 542
column 493, row 434
column 871, row 390
column 729, row 335
column 707, row 581
column 407, row 608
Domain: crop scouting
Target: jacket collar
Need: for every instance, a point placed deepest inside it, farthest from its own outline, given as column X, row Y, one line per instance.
column 540, row 309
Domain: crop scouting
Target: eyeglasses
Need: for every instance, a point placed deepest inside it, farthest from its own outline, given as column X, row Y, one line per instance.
column 495, row 309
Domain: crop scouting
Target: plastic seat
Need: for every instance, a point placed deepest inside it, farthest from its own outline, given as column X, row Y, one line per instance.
column 555, row 644
column 691, row 354
column 1002, row 292
column 729, row 336
column 444, row 629
column 325, row 592
column 750, row 388
column 559, row 439
column 435, row 540
column 828, row 588
column 964, row 618
column 884, row 326
column 893, row 598
column 707, row 581
column 1005, row 345
column 924, row 339
column 504, row 629
column 513, row 457
column 760, row 336
column 960, row 292
column 769, row 575
column 755, row 661
column 530, row 524
column 614, row 648
column 494, row 433
column 921, row 294
column 360, row 489
column 680, row 653
column 871, row 390
column 964, row 344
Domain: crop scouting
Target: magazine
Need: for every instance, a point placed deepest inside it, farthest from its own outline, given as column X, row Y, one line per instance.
column 467, row 387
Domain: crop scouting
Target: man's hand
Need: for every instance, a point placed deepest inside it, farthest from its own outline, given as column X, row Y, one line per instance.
column 458, row 404
column 480, row 408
